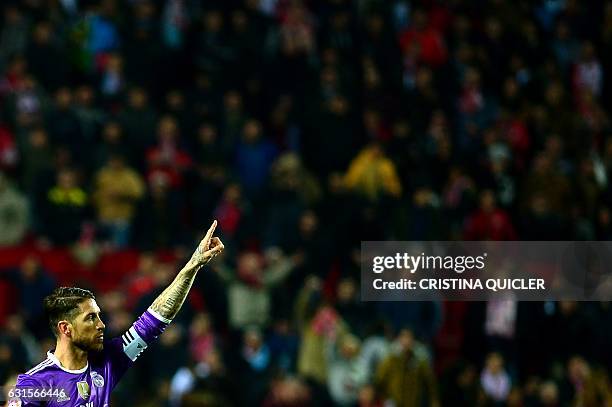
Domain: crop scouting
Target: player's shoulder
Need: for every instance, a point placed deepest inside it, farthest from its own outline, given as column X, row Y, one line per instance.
column 37, row 374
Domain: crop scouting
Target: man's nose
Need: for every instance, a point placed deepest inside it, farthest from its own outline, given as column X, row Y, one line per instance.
column 101, row 324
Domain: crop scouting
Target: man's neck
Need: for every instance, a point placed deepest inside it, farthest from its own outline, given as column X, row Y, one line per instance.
column 70, row 357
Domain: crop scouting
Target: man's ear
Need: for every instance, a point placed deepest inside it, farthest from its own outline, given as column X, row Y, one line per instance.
column 65, row 328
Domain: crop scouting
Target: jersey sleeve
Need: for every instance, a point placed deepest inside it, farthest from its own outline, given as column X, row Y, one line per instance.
column 25, row 382
column 122, row 351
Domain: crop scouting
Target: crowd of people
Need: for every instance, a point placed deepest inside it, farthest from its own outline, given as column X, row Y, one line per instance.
column 305, row 127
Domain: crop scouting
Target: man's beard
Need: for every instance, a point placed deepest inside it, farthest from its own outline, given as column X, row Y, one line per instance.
column 88, row 345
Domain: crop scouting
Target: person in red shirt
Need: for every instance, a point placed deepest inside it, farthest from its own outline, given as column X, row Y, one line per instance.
column 8, row 150
column 167, row 156
column 430, row 42
column 489, row 222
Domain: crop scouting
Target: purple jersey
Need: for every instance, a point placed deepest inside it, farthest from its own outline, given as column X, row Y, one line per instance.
column 90, row 386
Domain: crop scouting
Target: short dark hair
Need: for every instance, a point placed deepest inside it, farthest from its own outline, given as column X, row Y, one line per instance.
column 63, row 303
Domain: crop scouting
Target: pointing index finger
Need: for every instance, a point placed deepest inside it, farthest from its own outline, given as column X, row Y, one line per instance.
column 209, row 234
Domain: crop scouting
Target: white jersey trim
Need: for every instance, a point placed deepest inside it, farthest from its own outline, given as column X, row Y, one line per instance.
column 45, row 363
column 57, row 362
column 159, row 317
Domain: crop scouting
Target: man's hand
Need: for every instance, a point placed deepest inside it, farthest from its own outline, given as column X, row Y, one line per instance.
column 169, row 302
column 209, row 248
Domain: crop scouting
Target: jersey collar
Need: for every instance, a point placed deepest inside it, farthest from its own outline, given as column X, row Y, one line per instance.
column 58, row 364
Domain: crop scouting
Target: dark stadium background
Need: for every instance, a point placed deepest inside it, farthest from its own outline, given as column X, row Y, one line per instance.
column 305, row 127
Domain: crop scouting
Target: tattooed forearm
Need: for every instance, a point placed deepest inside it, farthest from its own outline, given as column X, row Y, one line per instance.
column 170, row 301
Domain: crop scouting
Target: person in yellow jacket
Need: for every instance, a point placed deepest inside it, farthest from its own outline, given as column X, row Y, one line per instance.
column 117, row 191
column 372, row 174
column 405, row 378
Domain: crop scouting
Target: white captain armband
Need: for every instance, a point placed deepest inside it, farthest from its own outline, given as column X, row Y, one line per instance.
column 133, row 344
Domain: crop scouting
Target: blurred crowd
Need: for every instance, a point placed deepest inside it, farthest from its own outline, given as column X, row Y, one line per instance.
column 305, row 127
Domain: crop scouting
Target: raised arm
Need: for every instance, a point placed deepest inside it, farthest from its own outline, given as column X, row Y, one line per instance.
column 154, row 321
column 169, row 302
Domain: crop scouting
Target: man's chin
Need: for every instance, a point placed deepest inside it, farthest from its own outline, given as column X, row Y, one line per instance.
column 96, row 346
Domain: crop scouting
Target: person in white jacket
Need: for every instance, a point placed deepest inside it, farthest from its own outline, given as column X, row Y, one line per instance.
column 347, row 372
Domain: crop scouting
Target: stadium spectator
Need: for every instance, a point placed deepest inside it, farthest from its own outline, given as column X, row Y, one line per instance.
column 26, row 103
column 585, row 385
column 489, row 222
column 205, row 382
column 426, row 38
column 36, row 160
column 405, row 377
column 158, row 223
column 64, row 129
column 494, row 379
column 546, row 180
column 202, row 340
column 112, row 143
column 290, row 191
column 250, row 285
column 289, row 392
column 139, row 120
column 312, row 244
column 117, row 191
column 318, row 323
column 284, row 342
column 549, row 394
column 33, row 282
column 461, row 386
column 253, row 361
column 64, row 210
column 372, row 175
column 254, row 156
column 346, row 370
column 9, row 156
column 356, row 314
column 91, row 118
column 14, row 216
column 171, row 358
column 423, row 218
column 289, row 174
column 211, row 168
column 168, row 157
column 19, row 342
column 14, row 34
column 231, row 210
column 46, row 45
column 588, row 74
